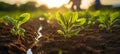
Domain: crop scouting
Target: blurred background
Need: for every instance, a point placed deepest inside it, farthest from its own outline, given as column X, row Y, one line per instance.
column 39, row 8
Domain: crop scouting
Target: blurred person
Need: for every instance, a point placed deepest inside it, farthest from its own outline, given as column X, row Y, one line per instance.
column 97, row 4
column 75, row 5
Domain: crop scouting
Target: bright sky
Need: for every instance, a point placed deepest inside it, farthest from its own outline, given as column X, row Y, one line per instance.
column 57, row 3
column 53, row 3
column 109, row 2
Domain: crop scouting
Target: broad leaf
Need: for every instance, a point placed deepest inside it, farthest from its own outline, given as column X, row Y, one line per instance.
column 21, row 31
column 82, row 21
column 102, row 18
column 23, row 18
column 67, row 21
column 12, row 30
column 74, row 17
column 9, row 20
column 60, row 32
column 113, row 16
column 61, row 20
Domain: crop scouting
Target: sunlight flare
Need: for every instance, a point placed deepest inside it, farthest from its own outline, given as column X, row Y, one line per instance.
column 85, row 4
column 58, row 3
column 52, row 3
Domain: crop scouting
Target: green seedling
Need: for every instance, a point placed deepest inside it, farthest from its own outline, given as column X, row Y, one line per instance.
column 84, row 23
column 108, row 21
column 68, row 22
column 16, row 23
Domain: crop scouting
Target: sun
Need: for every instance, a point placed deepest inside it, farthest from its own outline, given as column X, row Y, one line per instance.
column 58, row 3
column 52, row 3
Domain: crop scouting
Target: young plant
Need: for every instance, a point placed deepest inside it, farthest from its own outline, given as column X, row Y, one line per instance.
column 68, row 22
column 94, row 17
column 16, row 23
column 84, row 23
column 108, row 21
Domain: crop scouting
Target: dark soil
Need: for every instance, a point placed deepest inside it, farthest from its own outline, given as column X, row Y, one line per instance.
column 14, row 44
column 93, row 41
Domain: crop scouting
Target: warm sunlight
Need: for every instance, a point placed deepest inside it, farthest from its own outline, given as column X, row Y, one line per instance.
column 86, row 3
column 57, row 3
column 52, row 3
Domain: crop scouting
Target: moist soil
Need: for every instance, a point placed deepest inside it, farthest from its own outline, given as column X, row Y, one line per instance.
column 92, row 41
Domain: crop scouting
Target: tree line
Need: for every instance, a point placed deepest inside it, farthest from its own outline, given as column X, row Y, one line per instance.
column 23, row 7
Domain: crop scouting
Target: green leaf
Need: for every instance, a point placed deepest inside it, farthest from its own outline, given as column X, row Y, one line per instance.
column 82, row 21
column 67, row 35
column 102, row 25
column 74, row 17
column 10, row 20
column 60, row 32
column 21, row 31
column 96, row 13
column 77, row 24
column 89, row 22
column 67, row 21
column 75, row 32
column 94, row 19
column 23, row 18
column 70, row 20
column 113, row 16
column 12, row 31
column 61, row 20
column 102, row 18
column 117, row 20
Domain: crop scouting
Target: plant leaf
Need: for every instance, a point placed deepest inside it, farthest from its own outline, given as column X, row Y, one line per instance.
column 9, row 20
column 113, row 16
column 82, row 21
column 60, row 32
column 23, row 18
column 61, row 20
column 117, row 20
column 102, row 18
column 12, row 31
column 75, row 32
column 21, row 31
column 74, row 16
column 102, row 25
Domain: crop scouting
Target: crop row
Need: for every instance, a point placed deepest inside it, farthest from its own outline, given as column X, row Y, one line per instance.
column 72, row 23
